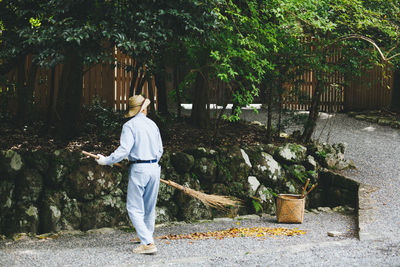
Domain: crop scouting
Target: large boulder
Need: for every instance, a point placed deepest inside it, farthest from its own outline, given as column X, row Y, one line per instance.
column 165, row 194
column 267, row 200
column 62, row 163
column 163, row 215
column 268, row 170
column 7, row 202
column 291, row 153
column 254, row 184
column 234, row 165
column 23, row 219
column 10, row 163
column 29, row 186
column 330, row 156
column 59, row 212
column 6, row 195
column 205, row 169
column 193, row 210
column 310, row 163
column 91, row 181
column 107, row 211
column 182, row 162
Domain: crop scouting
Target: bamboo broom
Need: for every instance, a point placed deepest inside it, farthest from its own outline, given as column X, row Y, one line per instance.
column 214, row 201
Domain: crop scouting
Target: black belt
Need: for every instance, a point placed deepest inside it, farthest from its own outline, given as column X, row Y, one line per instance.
column 142, row 161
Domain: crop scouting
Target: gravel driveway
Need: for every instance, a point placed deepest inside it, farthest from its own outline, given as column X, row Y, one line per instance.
column 374, row 149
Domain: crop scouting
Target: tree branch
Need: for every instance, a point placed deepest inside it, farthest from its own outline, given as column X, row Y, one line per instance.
column 357, row 36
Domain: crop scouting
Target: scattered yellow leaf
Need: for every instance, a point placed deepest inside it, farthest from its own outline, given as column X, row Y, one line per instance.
column 258, row 232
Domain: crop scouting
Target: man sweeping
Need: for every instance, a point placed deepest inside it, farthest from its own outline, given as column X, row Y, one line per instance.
column 141, row 143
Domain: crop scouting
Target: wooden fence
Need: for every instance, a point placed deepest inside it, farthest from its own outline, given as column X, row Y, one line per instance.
column 102, row 81
column 370, row 91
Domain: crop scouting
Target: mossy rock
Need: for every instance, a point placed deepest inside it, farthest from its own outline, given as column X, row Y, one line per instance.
column 201, row 152
column 59, row 212
column 266, row 199
column 395, row 124
column 7, row 189
column 385, row 122
column 10, row 163
column 268, row 171
column 108, row 211
column 62, row 163
column 165, row 194
column 182, row 162
column 23, row 219
column 195, row 210
column 291, row 153
column 39, row 160
column 234, row 165
column 88, row 182
column 219, row 189
column 163, row 215
column 360, row 117
column 29, row 186
column 205, row 169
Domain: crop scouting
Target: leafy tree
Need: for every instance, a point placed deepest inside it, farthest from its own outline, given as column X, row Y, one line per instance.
column 80, row 34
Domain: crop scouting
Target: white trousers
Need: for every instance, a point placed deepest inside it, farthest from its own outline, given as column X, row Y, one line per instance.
column 144, row 181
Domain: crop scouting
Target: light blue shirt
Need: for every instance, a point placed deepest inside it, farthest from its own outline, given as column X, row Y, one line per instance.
column 140, row 140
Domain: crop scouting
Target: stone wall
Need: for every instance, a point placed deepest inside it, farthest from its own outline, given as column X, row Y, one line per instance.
column 48, row 192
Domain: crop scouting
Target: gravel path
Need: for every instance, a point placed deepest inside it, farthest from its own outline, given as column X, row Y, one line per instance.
column 374, row 149
column 376, row 152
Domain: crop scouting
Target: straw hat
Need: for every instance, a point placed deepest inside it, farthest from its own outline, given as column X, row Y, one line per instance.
column 137, row 103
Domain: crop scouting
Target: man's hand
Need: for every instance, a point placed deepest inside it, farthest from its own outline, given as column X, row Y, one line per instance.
column 101, row 160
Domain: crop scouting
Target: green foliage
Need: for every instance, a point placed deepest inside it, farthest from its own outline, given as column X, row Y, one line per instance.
column 321, row 154
column 257, row 205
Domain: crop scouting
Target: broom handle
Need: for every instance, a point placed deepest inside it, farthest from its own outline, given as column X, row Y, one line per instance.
column 96, row 157
column 305, row 187
column 308, row 192
column 117, row 164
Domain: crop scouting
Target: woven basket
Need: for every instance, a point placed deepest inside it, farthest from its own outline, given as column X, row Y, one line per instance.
column 290, row 208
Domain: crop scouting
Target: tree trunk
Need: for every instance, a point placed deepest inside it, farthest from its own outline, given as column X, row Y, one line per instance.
column 162, row 105
column 200, row 116
column 269, row 112
column 151, row 94
column 25, row 88
column 50, row 106
column 309, row 127
column 395, row 105
column 70, row 95
column 178, row 93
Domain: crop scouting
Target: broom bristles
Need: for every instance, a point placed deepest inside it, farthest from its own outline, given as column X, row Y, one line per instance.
column 215, row 201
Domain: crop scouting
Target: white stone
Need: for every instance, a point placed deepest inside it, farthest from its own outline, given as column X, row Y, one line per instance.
column 32, row 211
column 16, row 162
column 334, row 233
column 369, row 129
column 55, row 211
column 273, row 165
column 90, row 176
column 286, row 153
column 246, row 158
column 254, row 183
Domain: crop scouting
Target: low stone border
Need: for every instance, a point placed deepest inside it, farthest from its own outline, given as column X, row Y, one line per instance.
column 365, row 205
column 378, row 117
